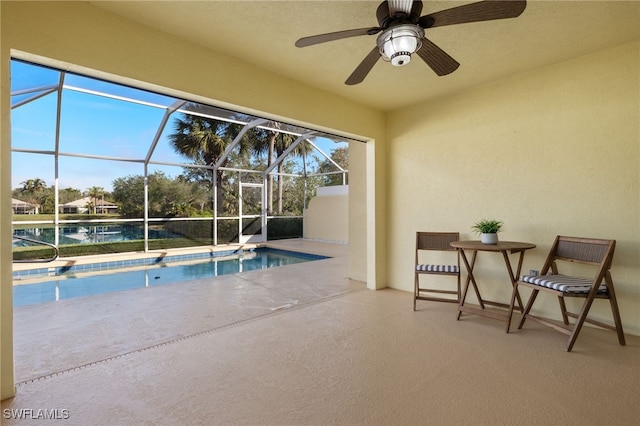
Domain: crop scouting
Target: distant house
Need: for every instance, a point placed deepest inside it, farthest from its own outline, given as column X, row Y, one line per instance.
column 82, row 205
column 22, row 207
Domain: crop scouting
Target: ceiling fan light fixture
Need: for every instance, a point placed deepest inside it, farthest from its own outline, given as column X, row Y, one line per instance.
column 397, row 44
column 400, row 33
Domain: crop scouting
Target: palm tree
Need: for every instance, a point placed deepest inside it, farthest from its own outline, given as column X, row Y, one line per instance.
column 95, row 192
column 34, row 191
column 283, row 142
column 203, row 140
column 33, row 185
column 272, row 135
column 275, row 144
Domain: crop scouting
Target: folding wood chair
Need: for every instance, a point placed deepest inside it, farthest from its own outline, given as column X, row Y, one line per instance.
column 586, row 251
column 435, row 241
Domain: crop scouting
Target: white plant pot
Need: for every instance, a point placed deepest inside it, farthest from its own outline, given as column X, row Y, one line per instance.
column 489, row 238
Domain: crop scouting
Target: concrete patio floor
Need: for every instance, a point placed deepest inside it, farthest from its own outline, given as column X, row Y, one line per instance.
column 76, row 332
column 304, row 345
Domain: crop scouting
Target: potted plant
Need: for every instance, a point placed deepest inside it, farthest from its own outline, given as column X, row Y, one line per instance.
column 488, row 230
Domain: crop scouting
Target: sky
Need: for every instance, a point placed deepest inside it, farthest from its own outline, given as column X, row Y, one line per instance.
column 89, row 125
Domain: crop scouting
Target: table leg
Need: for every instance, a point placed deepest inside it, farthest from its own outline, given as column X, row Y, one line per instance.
column 470, row 279
column 513, row 277
column 517, row 277
column 514, row 294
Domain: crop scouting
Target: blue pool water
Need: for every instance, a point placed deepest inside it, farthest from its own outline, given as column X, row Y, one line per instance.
column 68, row 286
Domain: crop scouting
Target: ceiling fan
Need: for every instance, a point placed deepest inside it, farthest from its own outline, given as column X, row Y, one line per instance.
column 401, row 33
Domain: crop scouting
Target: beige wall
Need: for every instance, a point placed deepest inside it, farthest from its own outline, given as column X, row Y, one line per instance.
column 6, row 290
column 554, row 151
column 79, row 37
column 327, row 216
column 362, row 234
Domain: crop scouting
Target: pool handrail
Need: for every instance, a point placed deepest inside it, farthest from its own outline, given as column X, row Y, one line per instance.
column 55, row 256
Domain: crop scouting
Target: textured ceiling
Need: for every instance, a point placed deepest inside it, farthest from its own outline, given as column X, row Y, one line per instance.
column 263, row 34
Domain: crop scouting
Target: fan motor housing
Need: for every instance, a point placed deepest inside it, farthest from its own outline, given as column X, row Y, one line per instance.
column 385, row 20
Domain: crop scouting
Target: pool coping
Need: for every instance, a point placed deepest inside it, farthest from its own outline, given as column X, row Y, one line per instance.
column 136, row 259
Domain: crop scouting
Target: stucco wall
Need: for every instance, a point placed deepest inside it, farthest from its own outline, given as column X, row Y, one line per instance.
column 554, row 151
column 6, row 290
column 327, row 216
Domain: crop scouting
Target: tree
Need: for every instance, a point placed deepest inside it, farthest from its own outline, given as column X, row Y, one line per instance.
column 271, row 147
column 294, row 189
column 275, row 143
column 33, row 185
column 94, row 193
column 167, row 197
column 128, row 192
column 67, row 195
column 200, row 195
column 341, row 157
column 35, row 191
column 282, row 142
column 203, row 140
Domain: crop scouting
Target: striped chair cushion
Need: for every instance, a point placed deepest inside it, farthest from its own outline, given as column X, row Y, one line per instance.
column 563, row 283
column 437, row 268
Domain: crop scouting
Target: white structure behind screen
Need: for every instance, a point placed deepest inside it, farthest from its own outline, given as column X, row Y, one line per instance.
column 326, row 218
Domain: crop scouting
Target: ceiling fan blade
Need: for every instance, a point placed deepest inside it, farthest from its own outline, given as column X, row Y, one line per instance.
column 361, row 71
column 338, row 35
column 475, row 12
column 437, row 59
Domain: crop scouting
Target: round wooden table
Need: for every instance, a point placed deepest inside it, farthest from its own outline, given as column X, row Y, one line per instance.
column 504, row 247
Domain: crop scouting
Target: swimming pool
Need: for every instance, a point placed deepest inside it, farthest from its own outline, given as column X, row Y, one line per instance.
column 69, row 285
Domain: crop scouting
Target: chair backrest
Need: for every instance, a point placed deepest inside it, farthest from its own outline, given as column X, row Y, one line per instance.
column 436, row 240
column 590, row 251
